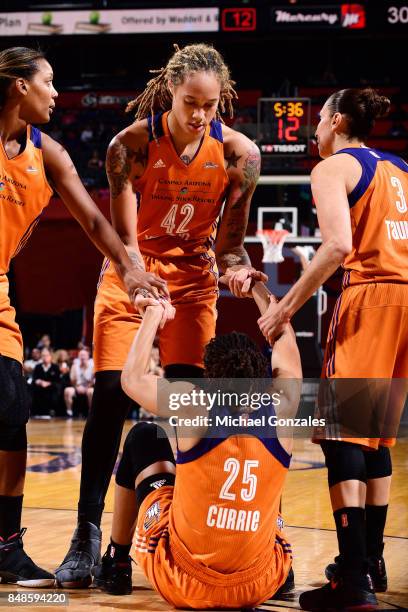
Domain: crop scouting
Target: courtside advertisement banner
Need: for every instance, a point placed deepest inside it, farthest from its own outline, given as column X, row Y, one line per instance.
column 155, row 21
column 349, row 16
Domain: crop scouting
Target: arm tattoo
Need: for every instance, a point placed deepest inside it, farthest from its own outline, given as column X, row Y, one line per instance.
column 118, row 165
column 237, row 214
column 232, row 160
column 251, row 171
column 136, row 261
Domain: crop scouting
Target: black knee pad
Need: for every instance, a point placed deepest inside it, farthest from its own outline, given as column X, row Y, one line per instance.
column 13, row 438
column 14, row 398
column 344, row 461
column 378, row 463
column 146, row 443
column 183, row 371
column 151, row 483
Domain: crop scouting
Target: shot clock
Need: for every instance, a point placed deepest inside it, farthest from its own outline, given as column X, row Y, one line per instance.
column 283, row 126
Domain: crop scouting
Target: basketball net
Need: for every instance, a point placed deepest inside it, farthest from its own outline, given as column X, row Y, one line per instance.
column 272, row 242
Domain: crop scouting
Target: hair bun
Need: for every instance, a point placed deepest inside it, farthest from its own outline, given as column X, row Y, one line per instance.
column 376, row 105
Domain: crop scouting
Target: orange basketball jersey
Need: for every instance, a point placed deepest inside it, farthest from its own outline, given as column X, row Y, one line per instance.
column 215, row 540
column 226, row 499
column 180, row 204
column 24, row 192
column 379, row 219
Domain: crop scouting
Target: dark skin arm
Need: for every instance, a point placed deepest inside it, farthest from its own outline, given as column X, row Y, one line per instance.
column 64, row 178
column 243, row 162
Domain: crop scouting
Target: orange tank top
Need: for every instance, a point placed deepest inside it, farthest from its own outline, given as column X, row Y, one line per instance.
column 226, row 497
column 379, row 220
column 24, row 192
column 179, row 204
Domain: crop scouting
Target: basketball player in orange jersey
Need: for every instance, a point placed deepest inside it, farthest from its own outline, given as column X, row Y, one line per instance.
column 361, row 200
column 184, row 164
column 30, row 162
column 208, row 533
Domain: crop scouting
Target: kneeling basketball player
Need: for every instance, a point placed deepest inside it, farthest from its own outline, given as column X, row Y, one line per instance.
column 224, row 495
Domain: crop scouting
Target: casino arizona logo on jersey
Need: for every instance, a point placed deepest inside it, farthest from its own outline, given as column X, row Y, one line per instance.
column 152, row 516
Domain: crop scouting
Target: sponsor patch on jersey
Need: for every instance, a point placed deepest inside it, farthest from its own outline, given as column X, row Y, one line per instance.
column 159, row 164
column 184, row 190
column 1, row 185
column 152, row 516
column 31, row 169
column 157, row 484
column 210, row 164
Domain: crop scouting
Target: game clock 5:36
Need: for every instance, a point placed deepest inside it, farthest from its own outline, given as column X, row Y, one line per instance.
column 284, row 126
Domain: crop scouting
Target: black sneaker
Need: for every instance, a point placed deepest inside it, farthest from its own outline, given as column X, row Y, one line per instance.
column 287, row 587
column 16, row 567
column 84, row 553
column 376, row 569
column 112, row 576
column 341, row 594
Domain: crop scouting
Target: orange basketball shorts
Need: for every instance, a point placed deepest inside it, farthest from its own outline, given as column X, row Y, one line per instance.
column 186, row 584
column 11, row 342
column 192, row 283
column 368, row 339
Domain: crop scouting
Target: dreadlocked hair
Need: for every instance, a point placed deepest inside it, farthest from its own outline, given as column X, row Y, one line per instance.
column 17, row 62
column 234, row 355
column 192, row 58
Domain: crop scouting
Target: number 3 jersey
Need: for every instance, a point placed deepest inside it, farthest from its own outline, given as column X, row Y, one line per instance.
column 179, row 204
column 379, row 219
column 225, row 509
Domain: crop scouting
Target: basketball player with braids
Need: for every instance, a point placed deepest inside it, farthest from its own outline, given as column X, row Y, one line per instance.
column 361, row 200
column 223, row 496
column 32, row 165
column 184, row 164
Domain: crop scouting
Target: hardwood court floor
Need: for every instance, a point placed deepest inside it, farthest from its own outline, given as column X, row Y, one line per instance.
column 50, row 513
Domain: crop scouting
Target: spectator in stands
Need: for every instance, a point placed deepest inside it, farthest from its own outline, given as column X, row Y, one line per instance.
column 95, row 162
column 82, row 379
column 46, row 377
column 29, row 364
column 87, row 134
column 44, row 342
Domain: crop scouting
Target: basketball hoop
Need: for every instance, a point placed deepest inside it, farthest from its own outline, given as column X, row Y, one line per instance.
column 272, row 242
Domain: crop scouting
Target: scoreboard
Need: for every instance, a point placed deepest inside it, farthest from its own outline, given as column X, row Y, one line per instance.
column 283, row 126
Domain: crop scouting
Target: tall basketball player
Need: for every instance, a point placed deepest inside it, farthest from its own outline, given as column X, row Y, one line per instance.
column 184, row 164
column 361, row 200
column 30, row 162
column 224, row 495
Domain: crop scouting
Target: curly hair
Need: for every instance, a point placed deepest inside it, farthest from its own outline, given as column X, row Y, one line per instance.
column 234, row 355
column 189, row 59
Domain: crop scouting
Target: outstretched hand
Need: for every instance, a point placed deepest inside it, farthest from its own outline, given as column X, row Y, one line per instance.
column 139, row 280
column 161, row 305
column 273, row 322
column 241, row 281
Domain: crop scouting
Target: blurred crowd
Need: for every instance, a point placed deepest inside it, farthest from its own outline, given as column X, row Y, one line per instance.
column 61, row 382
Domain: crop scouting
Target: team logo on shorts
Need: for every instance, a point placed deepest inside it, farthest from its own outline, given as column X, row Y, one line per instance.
column 152, row 516
column 280, row 523
column 210, row 164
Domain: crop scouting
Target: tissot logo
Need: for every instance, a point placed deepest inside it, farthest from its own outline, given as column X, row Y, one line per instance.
column 353, row 16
